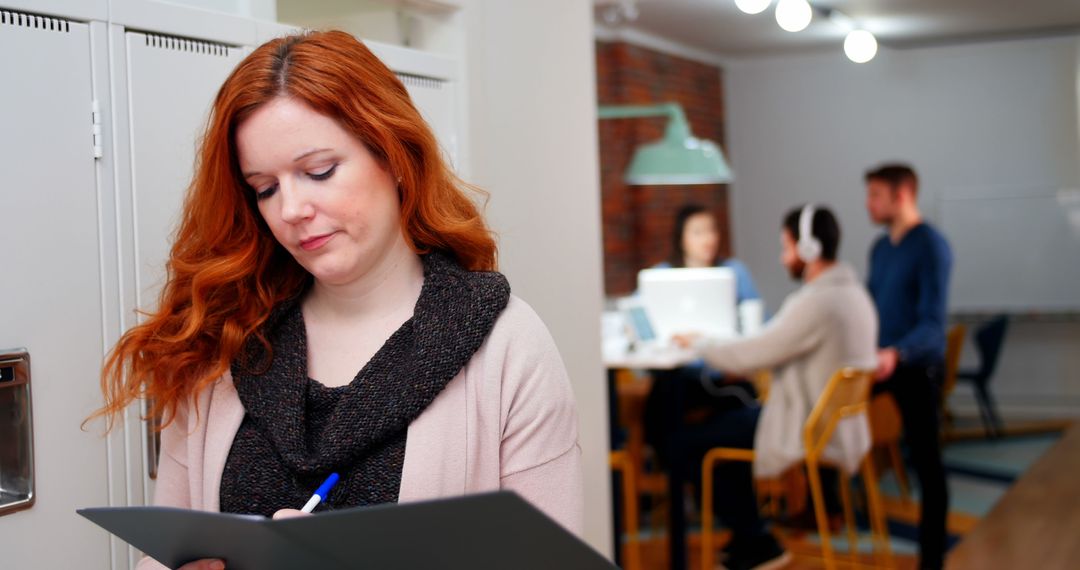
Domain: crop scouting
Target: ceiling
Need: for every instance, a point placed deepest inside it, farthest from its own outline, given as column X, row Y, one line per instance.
column 717, row 26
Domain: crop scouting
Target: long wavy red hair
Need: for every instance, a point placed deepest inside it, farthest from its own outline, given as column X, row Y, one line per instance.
column 226, row 271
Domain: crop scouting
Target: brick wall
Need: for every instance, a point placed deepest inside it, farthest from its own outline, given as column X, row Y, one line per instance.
column 638, row 220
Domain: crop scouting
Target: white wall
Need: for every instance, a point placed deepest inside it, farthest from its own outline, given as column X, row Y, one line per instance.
column 258, row 9
column 425, row 26
column 532, row 126
column 986, row 115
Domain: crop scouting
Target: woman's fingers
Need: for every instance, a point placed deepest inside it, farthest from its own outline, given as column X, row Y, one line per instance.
column 288, row 514
column 206, row 564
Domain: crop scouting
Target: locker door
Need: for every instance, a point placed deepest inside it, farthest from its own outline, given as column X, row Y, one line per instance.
column 435, row 100
column 171, row 85
column 50, row 289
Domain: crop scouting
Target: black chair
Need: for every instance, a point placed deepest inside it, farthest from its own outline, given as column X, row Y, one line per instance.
column 988, row 340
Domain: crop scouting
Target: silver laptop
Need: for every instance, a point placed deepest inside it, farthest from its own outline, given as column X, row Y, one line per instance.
column 689, row 300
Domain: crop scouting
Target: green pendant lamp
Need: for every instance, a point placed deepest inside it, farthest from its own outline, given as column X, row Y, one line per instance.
column 678, row 158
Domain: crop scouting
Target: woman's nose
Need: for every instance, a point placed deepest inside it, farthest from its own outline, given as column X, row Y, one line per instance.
column 295, row 203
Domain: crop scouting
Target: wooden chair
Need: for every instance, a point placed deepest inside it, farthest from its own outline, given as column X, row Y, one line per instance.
column 845, row 395
column 988, row 341
column 954, row 344
column 762, row 382
column 886, row 428
column 886, row 425
column 630, row 462
column 622, row 463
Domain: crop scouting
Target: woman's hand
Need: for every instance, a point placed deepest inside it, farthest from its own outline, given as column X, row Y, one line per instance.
column 205, row 564
column 289, row 513
column 686, row 340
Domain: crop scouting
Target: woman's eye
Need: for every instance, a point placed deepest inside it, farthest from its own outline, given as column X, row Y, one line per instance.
column 324, row 174
column 265, row 192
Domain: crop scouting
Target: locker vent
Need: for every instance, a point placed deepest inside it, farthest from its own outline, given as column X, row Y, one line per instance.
column 183, row 44
column 24, row 20
column 420, row 81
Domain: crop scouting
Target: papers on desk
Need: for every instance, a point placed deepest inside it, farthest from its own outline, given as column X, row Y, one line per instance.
column 494, row 530
column 652, row 358
column 622, row 350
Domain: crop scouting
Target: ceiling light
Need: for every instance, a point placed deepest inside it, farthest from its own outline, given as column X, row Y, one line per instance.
column 620, row 12
column 860, row 46
column 793, row 15
column 753, row 6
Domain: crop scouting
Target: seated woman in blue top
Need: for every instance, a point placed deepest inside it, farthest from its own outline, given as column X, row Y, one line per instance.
column 696, row 243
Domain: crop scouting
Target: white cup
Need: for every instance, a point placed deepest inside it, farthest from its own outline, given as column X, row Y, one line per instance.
column 751, row 316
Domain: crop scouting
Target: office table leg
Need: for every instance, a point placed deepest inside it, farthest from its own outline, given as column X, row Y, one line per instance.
column 676, row 468
column 616, row 482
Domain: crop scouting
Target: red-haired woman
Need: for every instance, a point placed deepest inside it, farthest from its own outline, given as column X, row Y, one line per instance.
column 332, row 306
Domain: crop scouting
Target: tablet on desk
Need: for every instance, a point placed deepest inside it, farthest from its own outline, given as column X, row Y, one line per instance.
column 639, row 321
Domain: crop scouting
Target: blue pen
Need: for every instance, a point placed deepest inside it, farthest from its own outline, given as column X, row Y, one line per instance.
column 320, row 493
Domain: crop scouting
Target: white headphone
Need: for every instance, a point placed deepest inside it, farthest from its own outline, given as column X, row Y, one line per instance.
column 808, row 247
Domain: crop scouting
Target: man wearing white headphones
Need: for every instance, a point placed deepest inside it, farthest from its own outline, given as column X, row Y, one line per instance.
column 826, row 325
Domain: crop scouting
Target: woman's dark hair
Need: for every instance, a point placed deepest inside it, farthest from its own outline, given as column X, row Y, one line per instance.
column 824, row 227
column 678, row 256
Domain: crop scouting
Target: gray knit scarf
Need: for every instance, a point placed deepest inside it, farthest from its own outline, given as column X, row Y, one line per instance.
column 296, row 431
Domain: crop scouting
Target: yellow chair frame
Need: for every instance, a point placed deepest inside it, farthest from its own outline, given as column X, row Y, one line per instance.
column 845, row 395
column 954, row 345
column 622, row 462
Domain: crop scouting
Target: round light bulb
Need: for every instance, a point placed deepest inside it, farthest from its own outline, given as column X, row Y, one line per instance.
column 753, row 6
column 860, row 46
column 793, row 15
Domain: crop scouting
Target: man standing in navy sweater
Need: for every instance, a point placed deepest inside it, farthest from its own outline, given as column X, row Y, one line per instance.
column 909, row 279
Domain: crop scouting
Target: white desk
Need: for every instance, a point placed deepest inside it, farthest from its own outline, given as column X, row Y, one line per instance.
column 649, row 359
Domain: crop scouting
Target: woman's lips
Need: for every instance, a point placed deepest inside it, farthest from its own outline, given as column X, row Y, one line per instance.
column 316, row 242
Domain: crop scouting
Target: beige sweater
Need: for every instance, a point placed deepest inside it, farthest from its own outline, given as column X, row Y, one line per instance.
column 826, row 325
column 506, row 421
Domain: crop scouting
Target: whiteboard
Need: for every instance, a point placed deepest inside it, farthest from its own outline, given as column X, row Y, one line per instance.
column 1014, row 251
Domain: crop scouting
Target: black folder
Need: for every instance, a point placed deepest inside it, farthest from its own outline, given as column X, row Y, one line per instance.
column 492, row 530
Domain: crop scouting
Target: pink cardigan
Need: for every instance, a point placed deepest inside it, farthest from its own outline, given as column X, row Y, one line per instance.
column 506, row 421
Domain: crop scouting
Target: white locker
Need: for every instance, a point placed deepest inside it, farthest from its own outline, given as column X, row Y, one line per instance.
column 51, row 289
column 172, row 83
column 435, row 100
column 169, row 84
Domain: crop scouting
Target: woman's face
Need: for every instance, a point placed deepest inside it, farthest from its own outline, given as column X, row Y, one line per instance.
column 325, row 197
column 700, row 240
